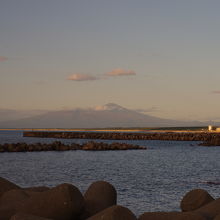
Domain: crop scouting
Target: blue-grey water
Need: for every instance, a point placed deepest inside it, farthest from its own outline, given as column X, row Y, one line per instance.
column 146, row 180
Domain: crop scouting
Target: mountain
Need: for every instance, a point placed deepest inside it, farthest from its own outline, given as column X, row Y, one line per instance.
column 10, row 114
column 109, row 115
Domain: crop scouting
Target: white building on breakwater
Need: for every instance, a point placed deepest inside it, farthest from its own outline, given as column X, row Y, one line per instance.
column 213, row 128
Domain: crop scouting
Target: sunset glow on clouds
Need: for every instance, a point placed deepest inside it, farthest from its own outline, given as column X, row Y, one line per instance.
column 216, row 92
column 2, row 58
column 121, row 72
column 82, row 77
column 88, row 77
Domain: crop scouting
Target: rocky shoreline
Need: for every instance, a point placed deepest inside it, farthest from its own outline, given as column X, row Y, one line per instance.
column 59, row 146
column 99, row 202
column 208, row 138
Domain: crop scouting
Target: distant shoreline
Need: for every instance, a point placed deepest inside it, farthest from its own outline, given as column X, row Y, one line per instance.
column 208, row 137
column 157, row 129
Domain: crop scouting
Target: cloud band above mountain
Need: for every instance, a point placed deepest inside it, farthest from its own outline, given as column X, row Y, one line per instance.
column 82, row 77
column 88, row 77
column 2, row 58
column 216, row 92
column 121, row 72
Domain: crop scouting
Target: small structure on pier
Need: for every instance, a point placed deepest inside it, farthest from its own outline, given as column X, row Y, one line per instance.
column 213, row 128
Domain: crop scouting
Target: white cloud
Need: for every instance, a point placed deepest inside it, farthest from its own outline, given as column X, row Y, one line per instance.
column 82, row 77
column 121, row 72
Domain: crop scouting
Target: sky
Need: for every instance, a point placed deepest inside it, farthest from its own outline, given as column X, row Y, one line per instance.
column 162, row 56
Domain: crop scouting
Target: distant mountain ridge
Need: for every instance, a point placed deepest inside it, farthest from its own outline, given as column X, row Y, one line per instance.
column 109, row 115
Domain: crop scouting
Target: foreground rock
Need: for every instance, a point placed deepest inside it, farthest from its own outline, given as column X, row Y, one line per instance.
column 13, row 197
column 217, row 217
column 211, row 210
column 6, row 185
column 58, row 146
column 37, row 189
column 115, row 212
column 171, row 216
column 6, row 212
column 195, row 199
column 65, row 202
column 99, row 196
column 21, row 216
column 62, row 202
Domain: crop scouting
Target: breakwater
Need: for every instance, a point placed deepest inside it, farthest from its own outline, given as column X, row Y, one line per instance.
column 170, row 136
column 58, row 146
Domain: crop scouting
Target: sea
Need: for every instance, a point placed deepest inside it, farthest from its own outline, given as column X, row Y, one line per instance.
column 149, row 180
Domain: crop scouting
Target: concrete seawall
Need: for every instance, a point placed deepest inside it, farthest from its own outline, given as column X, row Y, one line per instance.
column 171, row 136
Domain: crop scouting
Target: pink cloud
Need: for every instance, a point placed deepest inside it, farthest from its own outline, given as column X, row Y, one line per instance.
column 121, row 72
column 2, row 59
column 82, row 77
column 216, row 92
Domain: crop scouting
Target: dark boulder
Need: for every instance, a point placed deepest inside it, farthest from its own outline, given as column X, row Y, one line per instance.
column 99, row 196
column 115, row 212
column 21, row 216
column 62, row 202
column 171, row 216
column 6, row 185
column 37, row 188
column 211, row 210
column 195, row 199
column 6, row 212
column 12, row 197
column 217, row 217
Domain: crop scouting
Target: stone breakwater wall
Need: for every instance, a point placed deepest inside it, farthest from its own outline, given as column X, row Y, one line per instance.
column 99, row 202
column 58, row 146
column 170, row 136
column 215, row 141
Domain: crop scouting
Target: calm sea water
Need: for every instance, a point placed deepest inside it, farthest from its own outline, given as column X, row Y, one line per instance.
column 146, row 180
